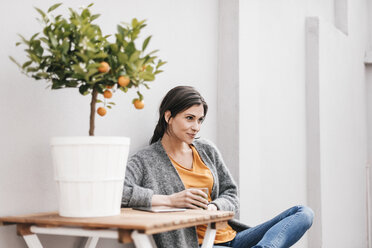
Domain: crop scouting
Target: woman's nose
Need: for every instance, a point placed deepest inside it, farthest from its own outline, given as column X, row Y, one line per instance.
column 195, row 126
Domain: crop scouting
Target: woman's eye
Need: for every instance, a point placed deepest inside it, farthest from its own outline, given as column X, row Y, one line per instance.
column 189, row 117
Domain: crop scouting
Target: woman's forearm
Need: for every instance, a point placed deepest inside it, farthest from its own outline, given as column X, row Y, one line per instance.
column 161, row 200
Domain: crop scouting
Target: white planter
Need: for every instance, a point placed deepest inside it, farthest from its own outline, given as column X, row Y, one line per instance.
column 90, row 174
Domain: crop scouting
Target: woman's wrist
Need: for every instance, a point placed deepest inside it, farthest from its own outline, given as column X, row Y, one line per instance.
column 161, row 200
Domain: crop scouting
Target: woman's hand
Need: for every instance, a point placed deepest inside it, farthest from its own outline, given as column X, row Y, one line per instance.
column 189, row 198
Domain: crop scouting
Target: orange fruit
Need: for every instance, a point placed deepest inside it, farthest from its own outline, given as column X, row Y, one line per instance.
column 107, row 94
column 101, row 111
column 104, row 67
column 123, row 81
column 109, row 86
column 139, row 104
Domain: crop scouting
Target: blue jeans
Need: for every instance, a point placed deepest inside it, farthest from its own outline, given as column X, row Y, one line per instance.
column 280, row 232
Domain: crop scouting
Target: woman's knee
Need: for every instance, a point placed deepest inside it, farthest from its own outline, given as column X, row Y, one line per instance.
column 308, row 215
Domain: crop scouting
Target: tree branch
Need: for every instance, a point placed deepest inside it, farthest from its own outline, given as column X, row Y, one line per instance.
column 92, row 112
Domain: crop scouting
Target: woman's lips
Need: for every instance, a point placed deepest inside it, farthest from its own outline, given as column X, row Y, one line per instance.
column 191, row 135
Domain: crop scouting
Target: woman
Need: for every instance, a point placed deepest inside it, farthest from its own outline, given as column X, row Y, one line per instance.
column 170, row 171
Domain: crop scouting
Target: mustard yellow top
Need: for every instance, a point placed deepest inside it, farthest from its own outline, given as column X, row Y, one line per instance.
column 201, row 177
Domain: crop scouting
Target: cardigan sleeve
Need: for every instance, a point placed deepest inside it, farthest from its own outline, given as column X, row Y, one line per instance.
column 134, row 195
column 227, row 198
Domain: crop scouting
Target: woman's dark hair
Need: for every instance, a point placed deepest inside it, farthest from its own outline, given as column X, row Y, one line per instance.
column 176, row 100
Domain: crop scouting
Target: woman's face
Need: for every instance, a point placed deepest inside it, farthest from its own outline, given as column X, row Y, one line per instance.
column 185, row 125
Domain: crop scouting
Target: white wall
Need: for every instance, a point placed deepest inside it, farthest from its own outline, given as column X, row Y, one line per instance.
column 272, row 124
column 273, row 118
column 343, row 135
column 186, row 34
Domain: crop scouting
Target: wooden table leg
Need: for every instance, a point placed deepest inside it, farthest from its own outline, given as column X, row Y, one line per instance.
column 31, row 239
column 210, row 235
column 142, row 240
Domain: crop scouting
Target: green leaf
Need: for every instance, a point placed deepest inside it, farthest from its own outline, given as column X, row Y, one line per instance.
column 124, row 89
column 85, row 13
column 45, row 40
column 100, row 55
column 155, row 51
column 149, row 68
column 122, row 31
column 32, row 69
column 108, row 106
column 26, row 64
column 18, row 43
column 94, row 65
column 114, row 48
column 130, row 48
column 43, row 75
column 14, row 61
column 91, row 72
column 90, row 5
column 56, row 86
column 100, row 89
column 53, row 39
column 83, row 89
column 123, row 58
column 99, row 101
column 34, row 58
column 147, row 76
column 157, row 72
column 34, row 36
column 65, row 46
column 140, row 95
column 93, row 17
column 134, row 22
column 160, row 63
column 40, row 12
column 141, row 23
column 82, row 56
column 78, row 69
column 135, row 55
column 53, row 7
column 112, row 103
column 24, row 40
column 146, row 42
column 71, row 84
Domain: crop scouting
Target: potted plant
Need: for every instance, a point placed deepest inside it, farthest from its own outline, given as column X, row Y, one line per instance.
column 73, row 53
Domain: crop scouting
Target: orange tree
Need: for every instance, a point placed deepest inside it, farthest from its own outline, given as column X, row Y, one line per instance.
column 73, row 53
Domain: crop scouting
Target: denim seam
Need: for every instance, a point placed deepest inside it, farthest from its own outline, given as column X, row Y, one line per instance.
column 280, row 234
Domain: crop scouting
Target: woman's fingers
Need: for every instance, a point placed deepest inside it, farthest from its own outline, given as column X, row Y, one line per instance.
column 196, row 199
column 201, row 194
column 197, row 203
column 190, row 198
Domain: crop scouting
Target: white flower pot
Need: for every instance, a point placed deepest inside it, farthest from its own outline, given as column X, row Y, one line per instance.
column 90, row 174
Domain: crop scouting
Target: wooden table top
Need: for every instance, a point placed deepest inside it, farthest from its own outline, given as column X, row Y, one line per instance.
column 129, row 219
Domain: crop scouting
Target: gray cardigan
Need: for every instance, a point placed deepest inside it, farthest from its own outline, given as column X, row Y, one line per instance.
column 150, row 172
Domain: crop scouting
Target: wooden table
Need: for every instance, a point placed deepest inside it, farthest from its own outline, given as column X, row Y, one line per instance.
column 130, row 226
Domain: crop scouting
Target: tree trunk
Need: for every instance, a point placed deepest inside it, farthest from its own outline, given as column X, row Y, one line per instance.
column 92, row 112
